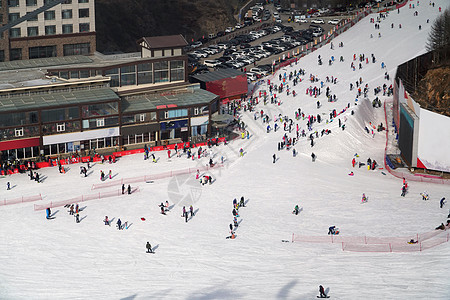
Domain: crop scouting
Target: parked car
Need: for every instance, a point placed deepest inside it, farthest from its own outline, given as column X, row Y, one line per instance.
column 212, row 63
column 317, row 21
column 196, row 44
column 334, row 22
column 251, row 77
column 229, row 29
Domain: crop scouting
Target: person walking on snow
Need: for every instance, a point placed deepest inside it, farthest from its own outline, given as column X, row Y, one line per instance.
column 119, row 224
column 106, row 220
column 274, row 158
column 442, row 202
column 322, row 292
column 191, row 209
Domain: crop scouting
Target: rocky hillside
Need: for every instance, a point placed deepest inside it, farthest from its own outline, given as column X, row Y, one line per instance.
column 120, row 23
column 434, row 90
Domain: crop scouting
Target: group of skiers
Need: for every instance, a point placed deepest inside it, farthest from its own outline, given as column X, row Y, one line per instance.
column 185, row 214
column 235, row 212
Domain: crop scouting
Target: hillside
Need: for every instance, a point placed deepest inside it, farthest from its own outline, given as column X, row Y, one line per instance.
column 120, row 23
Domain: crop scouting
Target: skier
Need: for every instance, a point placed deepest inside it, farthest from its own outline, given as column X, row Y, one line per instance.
column 149, row 248
column 313, row 156
column 48, row 211
column 234, row 212
column 403, row 191
column 425, row 196
column 77, row 218
column 8, row 186
column 123, row 189
column 242, row 202
column 322, row 292
column 364, row 198
column 129, row 189
column 191, row 209
column 442, row 202
column 36, row 177
column 162, row 208
column 110, row 174
column 184, row 211
column 71, row 210
column 119, row 224
column 77, row 208
column 106, row 220
column 274, row 158
column 241, row 152
column 332, row 230
column 295, row 210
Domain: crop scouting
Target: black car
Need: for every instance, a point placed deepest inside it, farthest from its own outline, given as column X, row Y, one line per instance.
column 220, row 33
column 286, row 29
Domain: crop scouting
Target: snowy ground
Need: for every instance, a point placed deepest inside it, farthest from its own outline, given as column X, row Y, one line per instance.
column 60, row 259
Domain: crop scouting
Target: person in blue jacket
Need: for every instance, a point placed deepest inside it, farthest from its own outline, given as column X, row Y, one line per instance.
column 49, row 212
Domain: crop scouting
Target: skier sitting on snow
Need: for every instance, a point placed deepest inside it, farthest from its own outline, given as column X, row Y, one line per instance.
column 162, row 208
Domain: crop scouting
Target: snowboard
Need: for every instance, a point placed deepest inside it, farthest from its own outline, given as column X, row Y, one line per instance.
column 383, row 173
column 323, row 297
column 150, row 181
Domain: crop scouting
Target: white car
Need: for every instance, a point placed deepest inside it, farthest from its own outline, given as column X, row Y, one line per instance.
column 229, row 29
column 278, row 20
column 334, row 21
column 251, row 77
column 301, row 20
column 317, row 21
column 211, row 63
column 196, row 44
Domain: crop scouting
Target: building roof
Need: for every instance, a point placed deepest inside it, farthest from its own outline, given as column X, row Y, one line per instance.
column 52, row 99
column 218, row 75
column 166, row 41
column 190, row 96
column 43, row 62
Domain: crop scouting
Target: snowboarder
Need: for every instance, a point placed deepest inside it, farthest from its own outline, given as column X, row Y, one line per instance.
column 123, row 189
column 162, row 208
column 110, row 174
column 106, row 220
column 149, row 248
column 119, row 224
column 77, row 218
column 242, row 202
column 274, row 158
column 129, row 189
column 295, row 210
column 8, row 186
column 49, row 212
column 322, row 292
column 425, row 196
column 442, row 202
column 191, row 209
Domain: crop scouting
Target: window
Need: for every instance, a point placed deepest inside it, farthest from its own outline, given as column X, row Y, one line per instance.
column 67, row 28
column 176, row 70
column 100, row 122
column 84, row 27
column 177, row 113
column 16, row 53
column 18, row 132
column 67, row 2
column 14, row 32
column 101, row 109
column 161, row 71
column 13, row 3
column 42, row 51
column 49, row 15
column 128, row 75
column 13, row 16
column 31, row 2
column 142, row 117
column 34, row 18
column 145, row 74
column 66, row 14
column 33, row 31
column 50, row 30
column 77, row 49
column 61, row 127
column 84, row 73
column 83, row 1
column 114, row 74
column 74, row 74
column 83, row 13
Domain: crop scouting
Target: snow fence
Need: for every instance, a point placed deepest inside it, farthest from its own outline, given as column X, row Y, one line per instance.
column 83, row 198
column 380, row 244
column 21, row 200
column 154, row 176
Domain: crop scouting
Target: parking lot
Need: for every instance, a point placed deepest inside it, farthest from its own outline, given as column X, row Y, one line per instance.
column 260, row 44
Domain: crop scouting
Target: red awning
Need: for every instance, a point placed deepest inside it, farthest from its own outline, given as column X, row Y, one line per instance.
column 17, row 144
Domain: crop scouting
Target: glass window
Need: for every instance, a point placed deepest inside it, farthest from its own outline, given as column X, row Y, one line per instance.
column 13, row 16
column 83, row 1
column 34, row 18
column 50, row 30
column 77, row 49
column 84, row 27
column 176, row 113
column 59, row 114
column 33, row 31
column 145, row 74
column 49, row 15
column 13, row 3
column 74, row 74
column 67, row 2
column 43, row 51
column 176, row 70
column 128, row 75
column 14, row 32
column 84, row 73
column 66, row 14
column 64, row 74
column 16, row 53
column 83, row 13
column 102, row 109
column 114, row 74
column 161, row 71
column 67, row 28
column 31, row 2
